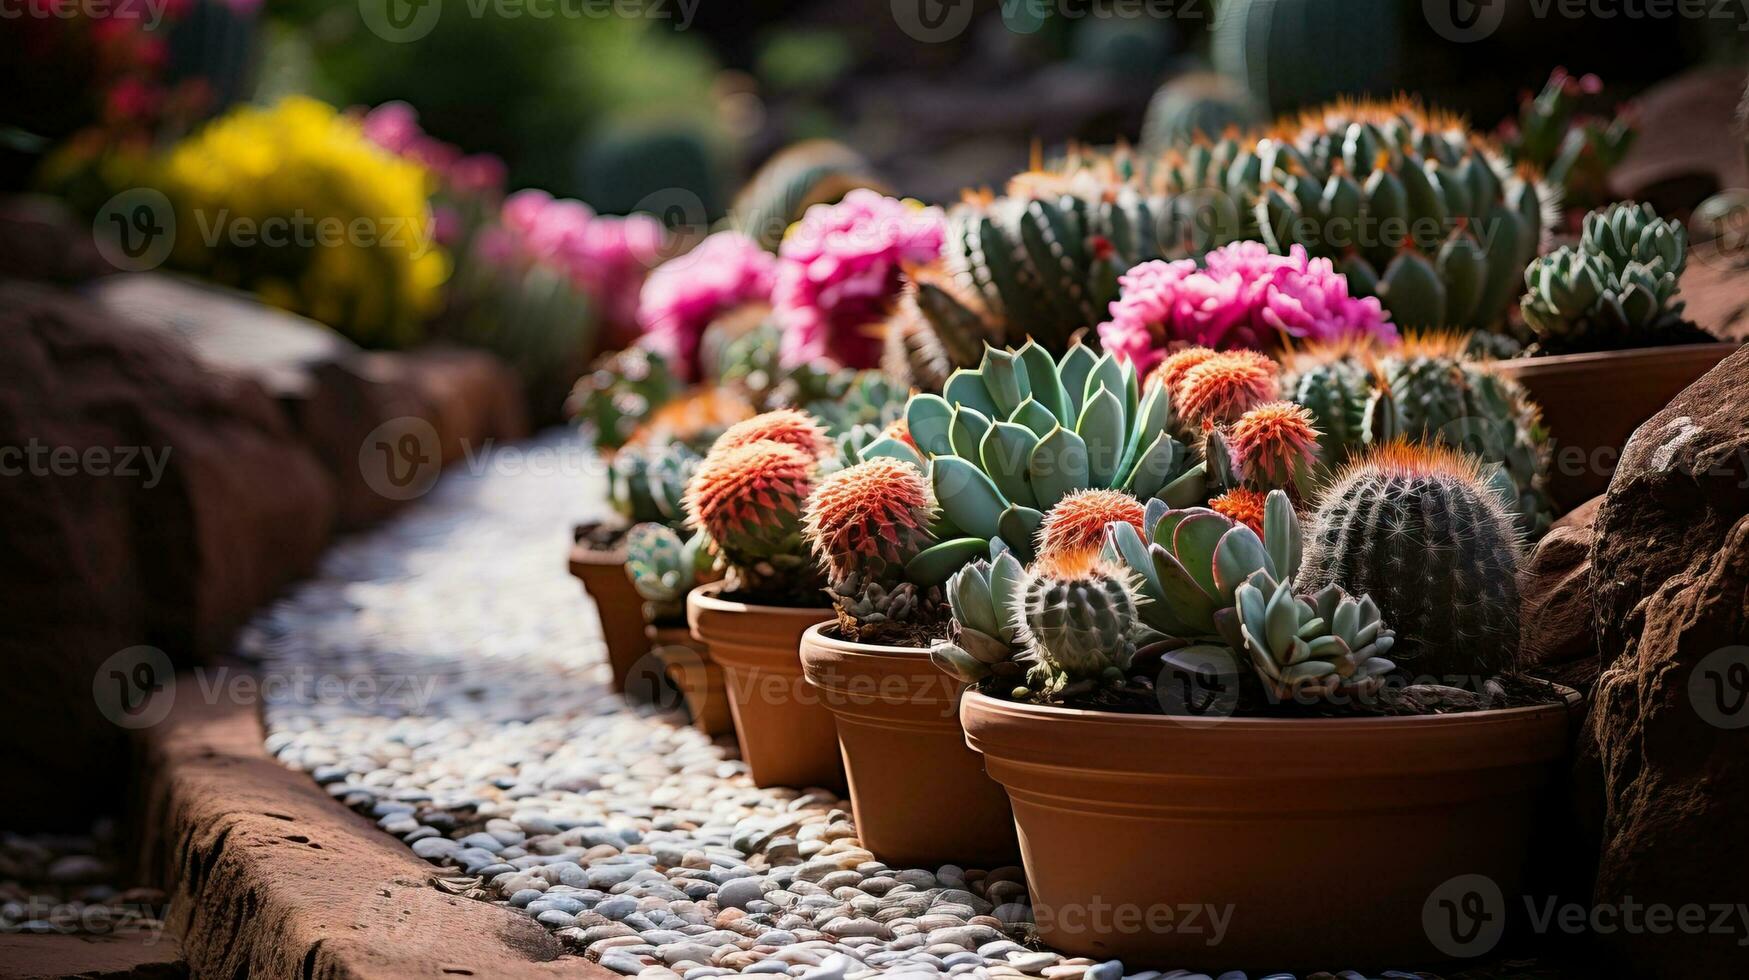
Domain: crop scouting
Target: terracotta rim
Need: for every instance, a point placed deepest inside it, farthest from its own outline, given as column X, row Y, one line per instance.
column 1607, row 358
column 745, row 641
column 857, row 677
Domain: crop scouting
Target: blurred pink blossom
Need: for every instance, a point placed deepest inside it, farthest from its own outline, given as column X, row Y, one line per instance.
column 840, row 273
column 1244, row 296
column 684, row 295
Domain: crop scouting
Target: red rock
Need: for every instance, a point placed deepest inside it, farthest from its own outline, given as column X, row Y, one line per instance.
column 144, row 502
column 1662, row 756
column 1557, row 641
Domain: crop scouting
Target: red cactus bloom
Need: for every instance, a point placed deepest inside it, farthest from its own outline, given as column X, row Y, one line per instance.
column 786, row 425
column 1173, row 369
column 1224, row 387
column 749, row 498
column 1242, row 505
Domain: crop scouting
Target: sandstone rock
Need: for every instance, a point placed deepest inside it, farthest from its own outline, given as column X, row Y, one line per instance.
column 145, row 503
column 1557, row 641
column 1664, row 748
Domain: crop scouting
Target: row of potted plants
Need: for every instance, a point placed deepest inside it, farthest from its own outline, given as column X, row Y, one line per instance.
column 1169, row 621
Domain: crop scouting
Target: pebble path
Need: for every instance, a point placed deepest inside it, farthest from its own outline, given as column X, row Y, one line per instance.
column 441, row 675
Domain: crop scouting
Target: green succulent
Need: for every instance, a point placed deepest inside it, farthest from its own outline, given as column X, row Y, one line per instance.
column 664, row 567
column 1311, row 647
column 619, row 393
column 1003, row 443
column 984, row 597
column 1616, row 289
column 1573, row 151
column 647, row 483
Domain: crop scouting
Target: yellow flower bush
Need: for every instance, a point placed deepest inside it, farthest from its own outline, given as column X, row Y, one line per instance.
column 292, row 202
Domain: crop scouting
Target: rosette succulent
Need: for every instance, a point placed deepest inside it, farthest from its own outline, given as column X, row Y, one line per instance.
column 1005, row 443
column 984, row 599
column 648, row 483
column 664, row 567
column 1616, row 289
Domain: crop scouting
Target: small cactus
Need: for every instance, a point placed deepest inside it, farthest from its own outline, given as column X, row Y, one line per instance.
column 1222, row 388
column 865, row 525
column 789, row 426
column 748, row 500
column 1077, row 619
column 1275, row 445
column 1416, row 528
column 1075, row 528
column 664, row 567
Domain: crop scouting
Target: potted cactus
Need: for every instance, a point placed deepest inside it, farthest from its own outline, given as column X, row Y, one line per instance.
column 1196, row 704
column 746, row 498
column 664, row 568
column 1611, row 344
column 645, row 485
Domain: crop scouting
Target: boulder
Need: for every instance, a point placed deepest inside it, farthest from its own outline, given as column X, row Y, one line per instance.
column 1557, row 642
column 1665, row 751
column 145, row 503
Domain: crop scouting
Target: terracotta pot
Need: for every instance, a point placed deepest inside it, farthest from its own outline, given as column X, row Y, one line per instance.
column 1323, row 843
column 699, row 680
column 786, row 734
column 920, row 793
column 619, row 605
column 1592, row 403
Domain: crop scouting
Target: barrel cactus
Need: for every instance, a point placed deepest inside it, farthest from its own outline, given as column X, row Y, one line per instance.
column 1427, row 391
column 1416, row 528
column 1077, row 618
column 664, row 567
column 1004, row 443
column 1617, row 289
column 788, row 426
column 867, row 525
column 1276, row 445
column 1075, row 527
column 747, row 498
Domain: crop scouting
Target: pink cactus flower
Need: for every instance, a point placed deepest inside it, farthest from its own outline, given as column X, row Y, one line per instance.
column 685, row 294
column 841, row 270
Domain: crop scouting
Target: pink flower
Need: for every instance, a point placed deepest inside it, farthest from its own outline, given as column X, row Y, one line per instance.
column 685, row 294
column 841, row 270
column 1243, row 297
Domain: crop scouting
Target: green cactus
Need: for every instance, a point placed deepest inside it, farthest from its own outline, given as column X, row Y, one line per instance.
column 795, row 179
column 984, row 597
column 647, row 483
column 1002, row 444
column 1576, row 152
column 1078, row 626
column 1616, row 290
column 619, row 393
column 664, row 567
column 1418, row 530
column 1428, row 390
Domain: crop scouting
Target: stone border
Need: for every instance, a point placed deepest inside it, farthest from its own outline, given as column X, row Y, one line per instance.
column 268, row 876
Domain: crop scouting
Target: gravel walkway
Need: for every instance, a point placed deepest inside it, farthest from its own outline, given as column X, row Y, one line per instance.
column 442, row 676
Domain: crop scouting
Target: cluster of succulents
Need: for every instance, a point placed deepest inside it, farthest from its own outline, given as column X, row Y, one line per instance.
column 1426, row 391
column 648, row 483
column 1573, row 150
column 747, row 497
column 1616, row 289
column 1004, row 443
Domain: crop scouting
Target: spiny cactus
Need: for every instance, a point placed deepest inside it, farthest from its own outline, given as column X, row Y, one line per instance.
column 1221, row 388
column 867, row 525
column 1075, row 527
column 1410, row 205
column 1417, row 529
column 790, row 426
column 1006, row 442
column 984, row 597
column 664, row 567
column 1275, row 445
column 647, row 483
column 1077, row 618
column 748, row 500
column 1617, row 289
column 1427, row 390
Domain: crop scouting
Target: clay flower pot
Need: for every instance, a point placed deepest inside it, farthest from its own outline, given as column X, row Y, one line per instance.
column 1593, row 402
column 698, row 679
column 1291, row 843
column 786, row 734
column 919, row 792
column 621, row 608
